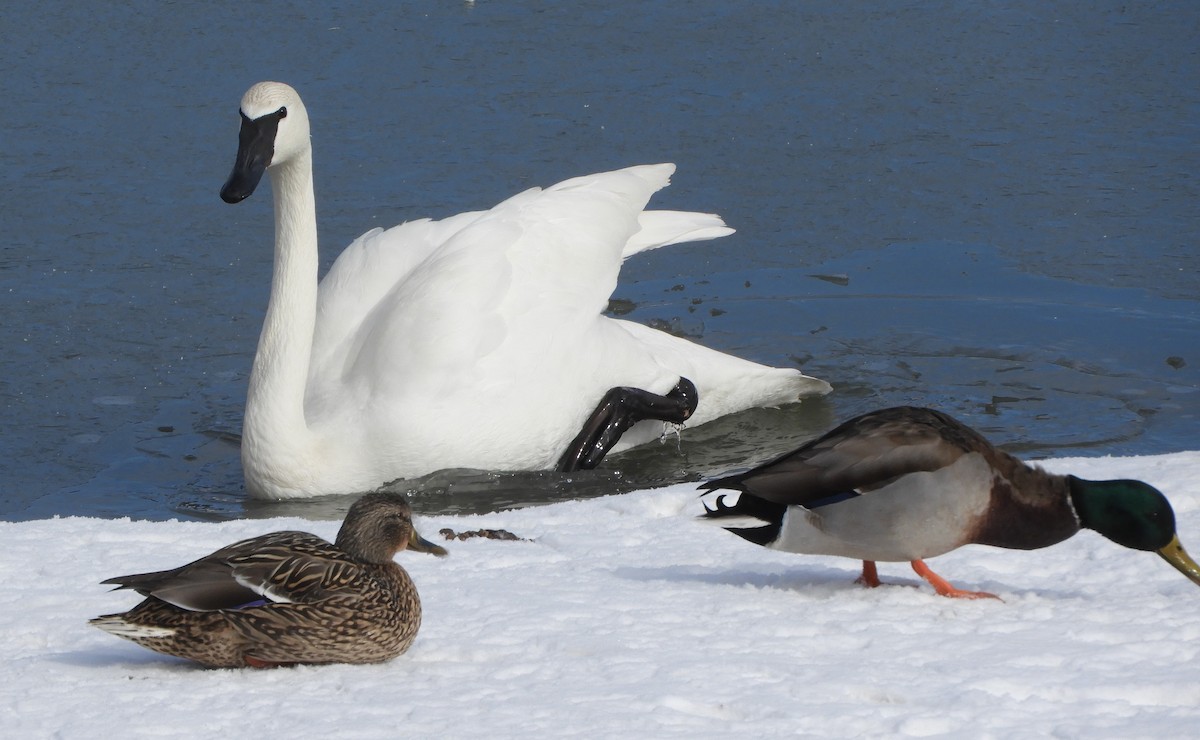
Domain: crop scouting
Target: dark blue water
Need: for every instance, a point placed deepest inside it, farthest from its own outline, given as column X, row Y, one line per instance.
column 990, row 208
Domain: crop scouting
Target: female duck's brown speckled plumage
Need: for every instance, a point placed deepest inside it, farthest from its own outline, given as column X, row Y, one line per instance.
column 910, row 483
column 286, row 597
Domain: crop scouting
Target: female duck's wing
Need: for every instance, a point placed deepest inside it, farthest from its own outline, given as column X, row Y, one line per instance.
column 204, row 585
column 305, row 572
column 279, row 567
column 863, row 454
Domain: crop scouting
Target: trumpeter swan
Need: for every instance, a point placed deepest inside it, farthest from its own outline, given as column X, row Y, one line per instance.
column 475, row 341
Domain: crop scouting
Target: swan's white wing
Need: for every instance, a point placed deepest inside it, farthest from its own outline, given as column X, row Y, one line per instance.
column 573, row 237
column 726, row 384
column 663, row 228
column 366, row 271
column 433, row 297
column 406, row 324
column 481, row 340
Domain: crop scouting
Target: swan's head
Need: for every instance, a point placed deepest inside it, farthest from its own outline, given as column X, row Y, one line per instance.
column 274, row 129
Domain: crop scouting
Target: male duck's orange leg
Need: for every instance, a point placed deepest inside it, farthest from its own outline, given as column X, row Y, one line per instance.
column 870, row 575
column 943, row 587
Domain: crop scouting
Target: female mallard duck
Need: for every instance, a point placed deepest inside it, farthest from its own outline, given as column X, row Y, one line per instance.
column 910, row 483
column 287, row 597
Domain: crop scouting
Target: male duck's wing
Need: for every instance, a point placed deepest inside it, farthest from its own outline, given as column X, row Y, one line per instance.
column 863, row 454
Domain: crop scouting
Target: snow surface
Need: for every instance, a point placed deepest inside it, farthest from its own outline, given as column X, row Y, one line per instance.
column 626, row 616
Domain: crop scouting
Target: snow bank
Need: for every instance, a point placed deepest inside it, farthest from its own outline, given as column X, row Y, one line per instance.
column 627, row 616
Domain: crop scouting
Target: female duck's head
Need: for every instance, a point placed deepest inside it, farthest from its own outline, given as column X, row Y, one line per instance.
column 378, row 526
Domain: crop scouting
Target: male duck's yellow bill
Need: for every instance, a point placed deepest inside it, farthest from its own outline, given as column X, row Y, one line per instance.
column 1174, row 554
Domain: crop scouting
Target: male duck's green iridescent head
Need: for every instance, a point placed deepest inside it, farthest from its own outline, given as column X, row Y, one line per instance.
column 1134, row 514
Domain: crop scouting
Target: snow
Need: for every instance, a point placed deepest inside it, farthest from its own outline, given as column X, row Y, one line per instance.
column 627, row 616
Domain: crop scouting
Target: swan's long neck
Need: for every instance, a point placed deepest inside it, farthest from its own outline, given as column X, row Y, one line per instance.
column 275, row 435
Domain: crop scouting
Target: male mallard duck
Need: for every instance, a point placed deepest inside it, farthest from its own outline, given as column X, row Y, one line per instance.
column 910, row 483
column 286, row 597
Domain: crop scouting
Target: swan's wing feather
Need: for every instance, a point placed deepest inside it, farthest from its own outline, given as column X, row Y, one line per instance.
column 448, row 291
column 536, row 270
column 576, row 226
column 575, row 235
column 726, row 383
column 368, row 270
column 572, row 238
column 663, row 228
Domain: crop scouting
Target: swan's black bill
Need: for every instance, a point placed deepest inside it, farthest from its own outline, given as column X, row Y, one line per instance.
column 256, row 148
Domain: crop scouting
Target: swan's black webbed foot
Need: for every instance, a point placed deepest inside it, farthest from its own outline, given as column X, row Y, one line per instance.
column 620, row 409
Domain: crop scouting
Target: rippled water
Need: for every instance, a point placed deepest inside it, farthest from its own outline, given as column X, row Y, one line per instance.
column 989, row 209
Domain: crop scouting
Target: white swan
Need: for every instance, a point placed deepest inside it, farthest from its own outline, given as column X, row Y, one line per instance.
column 475, row 341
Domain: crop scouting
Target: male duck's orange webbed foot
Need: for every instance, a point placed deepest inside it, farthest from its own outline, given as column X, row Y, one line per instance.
column 870, row 575
column 943, row 587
